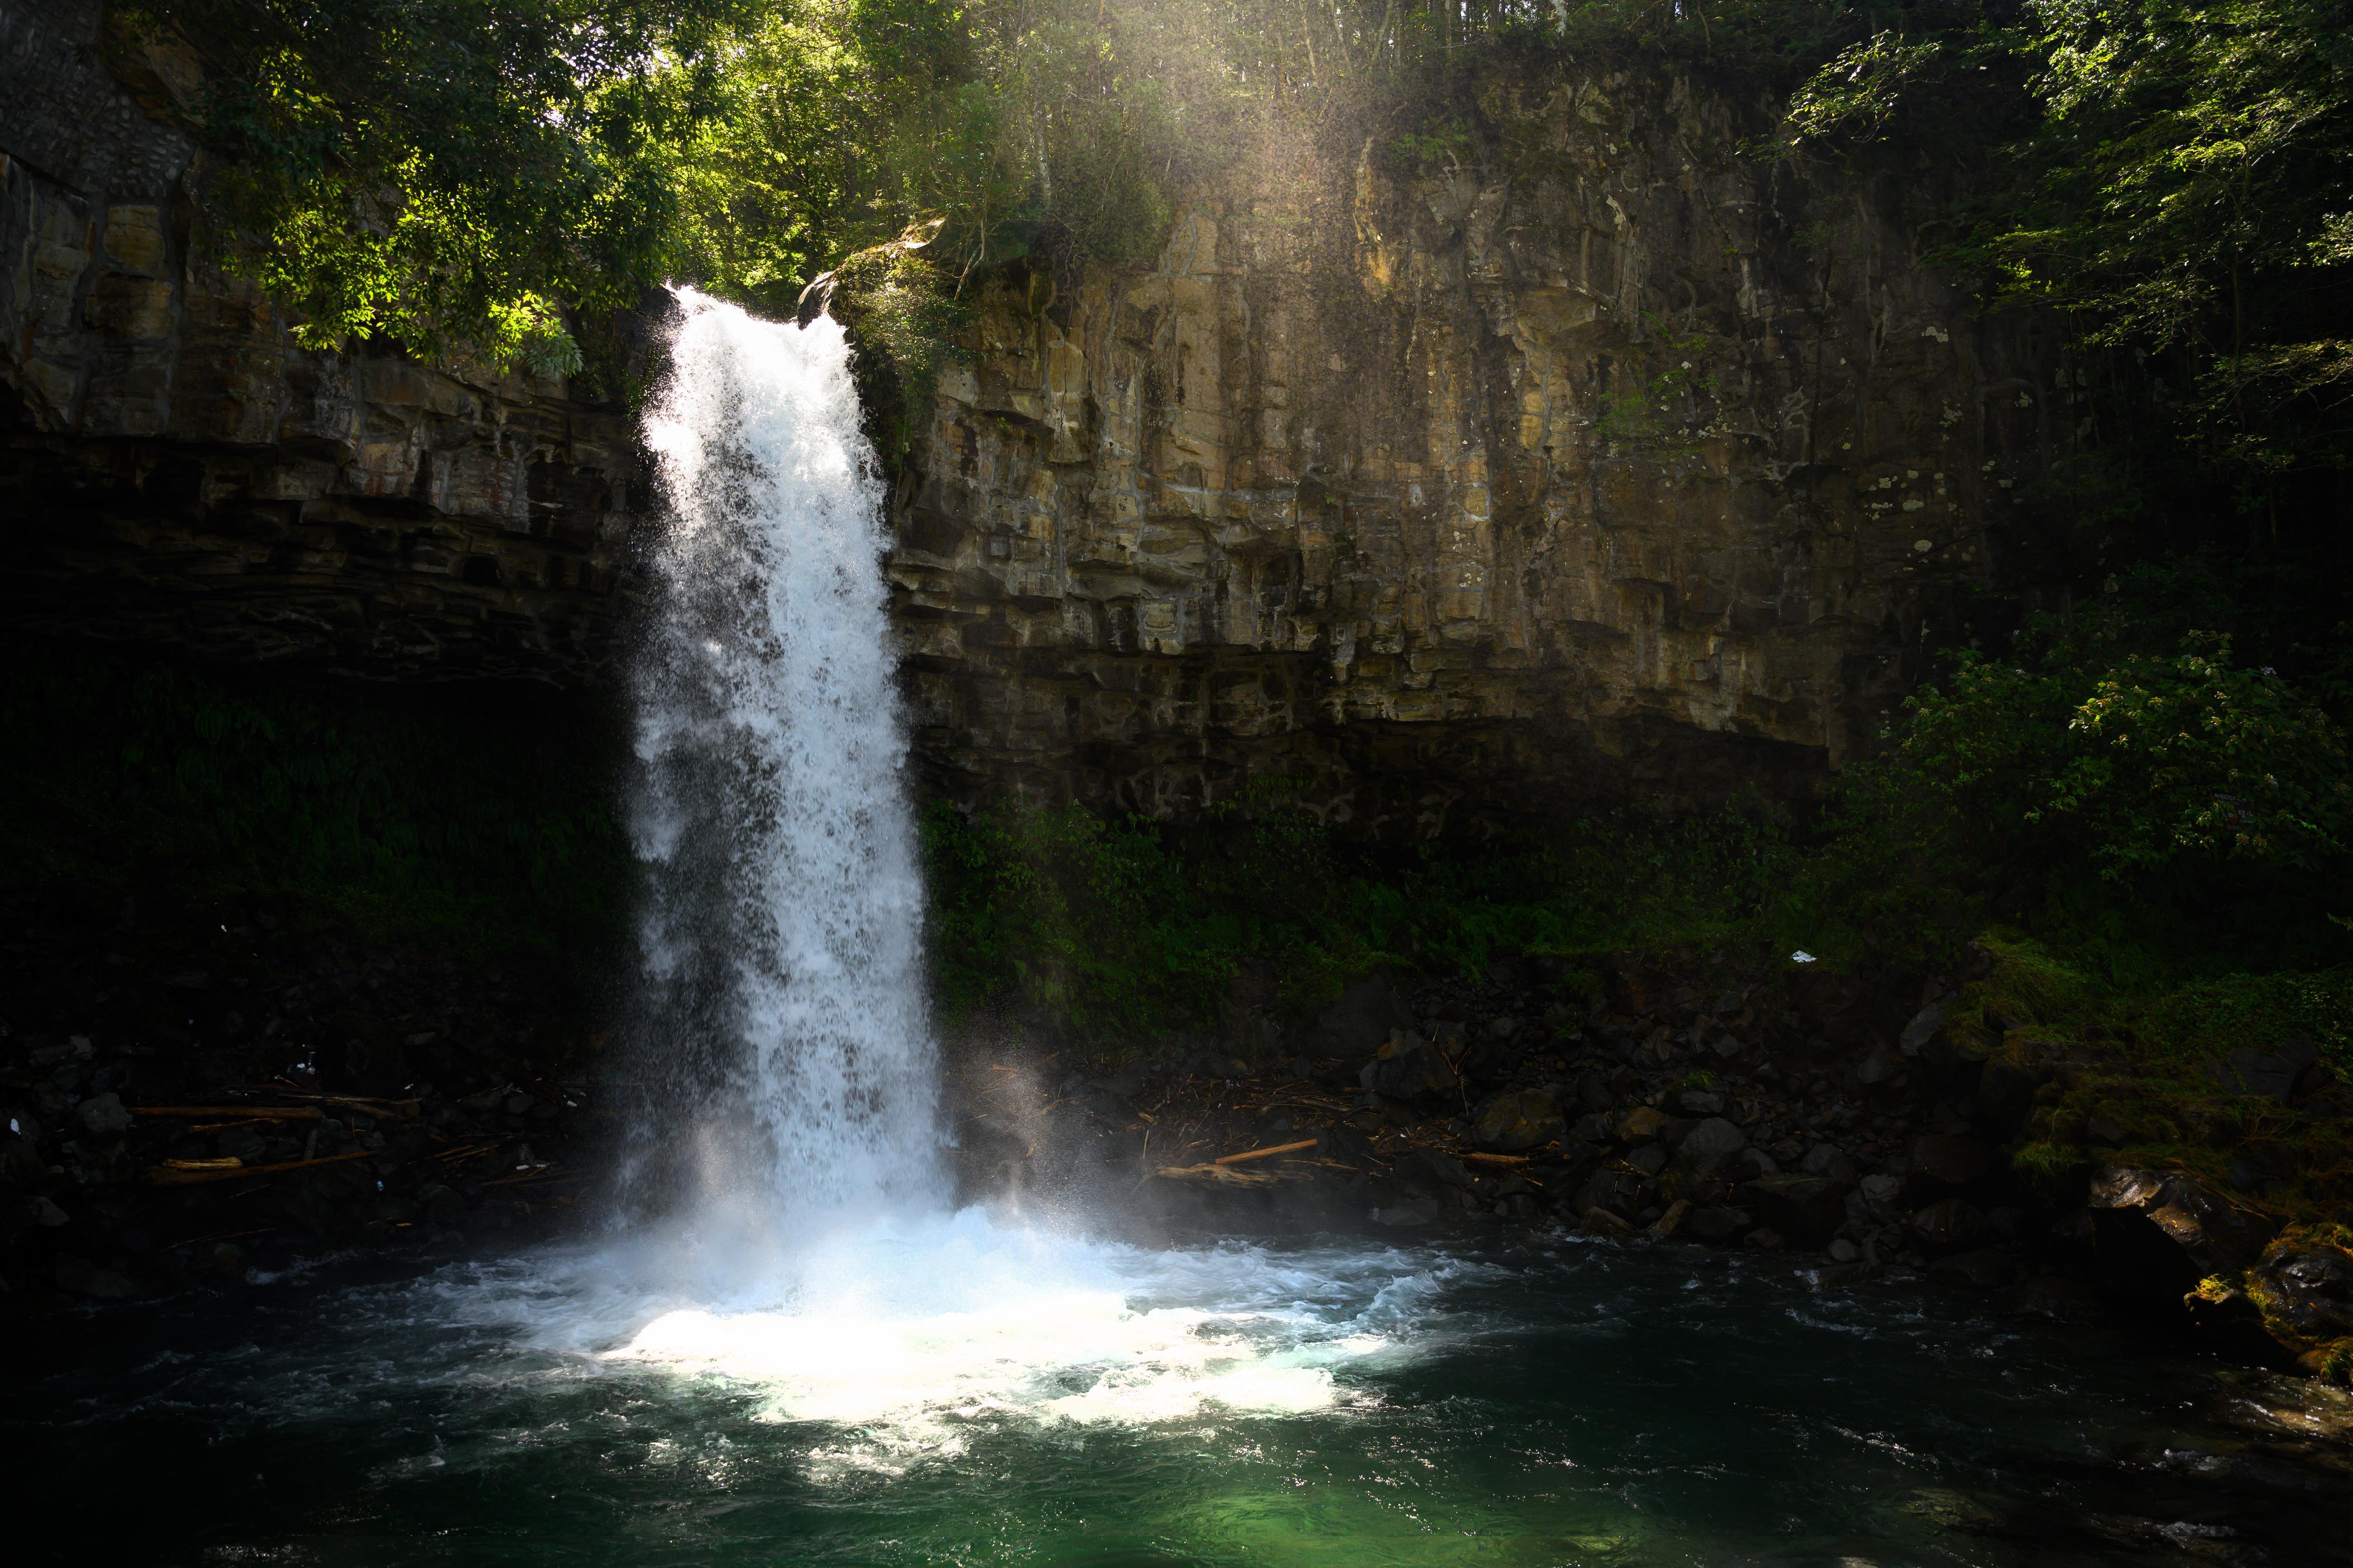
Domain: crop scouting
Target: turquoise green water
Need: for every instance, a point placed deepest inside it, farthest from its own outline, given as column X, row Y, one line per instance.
column 970, row 1396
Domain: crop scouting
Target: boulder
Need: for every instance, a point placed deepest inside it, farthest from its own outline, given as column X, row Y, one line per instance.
column 1805, row 1209
column 1649, row 1159
column 2159, row 1233
column 1671, row 1220
column 1924, row 1025
column 2274, row 1075
column 1953, row 1161
column 1591, row 1128
column 1407, row 1212
column 1619, row 1192
column 2230, row 1323
column 1641, row 1124
column 1408, row 1068
column 1881, row 1194
column 1434, row 1168
column 1829, row 1159
column 1603, row 1222
column 1950, row 1226
column 1707, row 1148
column 1700, row 1103
column 1518, row 1120
column 2305, row 1285
column 105, row 1115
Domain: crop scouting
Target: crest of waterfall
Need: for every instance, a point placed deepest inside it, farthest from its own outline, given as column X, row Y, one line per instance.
column 784, row 1035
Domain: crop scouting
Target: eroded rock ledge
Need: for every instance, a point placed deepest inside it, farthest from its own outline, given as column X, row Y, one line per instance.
column 1603, row 457
column 1612, row 458
column 176, row 473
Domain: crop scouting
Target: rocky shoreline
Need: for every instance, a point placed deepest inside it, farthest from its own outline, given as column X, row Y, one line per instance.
column 1865, row 1130
column 189, row 1098
column 190, row 1095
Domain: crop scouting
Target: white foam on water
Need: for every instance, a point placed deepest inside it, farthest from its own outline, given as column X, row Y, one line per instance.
column 907, row 1340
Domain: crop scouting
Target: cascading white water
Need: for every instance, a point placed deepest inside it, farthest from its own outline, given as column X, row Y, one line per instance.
column 781, row 1011
column 782, row 931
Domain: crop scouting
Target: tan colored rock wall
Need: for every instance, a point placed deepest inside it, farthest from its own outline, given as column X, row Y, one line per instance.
column 177, row 472
column 1606, row 460
column 1594, row 458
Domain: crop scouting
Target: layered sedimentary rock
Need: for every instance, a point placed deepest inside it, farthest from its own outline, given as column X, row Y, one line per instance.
column 1613, row 460
column 177, row 472
column 1587, row 455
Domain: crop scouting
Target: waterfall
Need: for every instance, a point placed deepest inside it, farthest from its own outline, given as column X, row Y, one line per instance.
column 783, row 1019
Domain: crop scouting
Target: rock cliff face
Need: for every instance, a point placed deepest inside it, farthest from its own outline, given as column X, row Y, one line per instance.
column 1611, row 461
column 1591, row 457
column 176, row 471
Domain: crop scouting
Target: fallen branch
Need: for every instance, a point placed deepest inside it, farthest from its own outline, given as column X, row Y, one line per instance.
column 368, row 1103
column 1215, row 1174
column 1479, row 1159
column 242, row 1112
column 1266, row 1153
column 165, row 1176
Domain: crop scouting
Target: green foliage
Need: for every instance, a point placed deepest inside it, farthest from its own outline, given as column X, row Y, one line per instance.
column 2190, row 759
column 455, row 174
column 1120, row 931
column 2178, row 182
column 449, row 823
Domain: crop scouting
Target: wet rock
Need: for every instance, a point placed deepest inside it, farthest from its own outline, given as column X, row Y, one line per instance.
column 1700, row 1103
column 1764, row 1239
column 1649, row 1159
column 1594, row 1093
column 1981, row 1268
column 2157, row 1233
column 2306, row 1284
column 1515, row 1122
column 1671, row 1219
column 1407, row 1212
column 2231, row 1324
column 1953, row 1161
column 1846, row 1276
column 2274, row 1075
column 104, row 1115
column 1707, row 1148
column 1718, row 1224
column 1605, row 1222
column 1950, row 1226
column 1750, row 1163
column 1807, row 1209
column 1841, row 1250
column 41, row 1212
